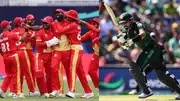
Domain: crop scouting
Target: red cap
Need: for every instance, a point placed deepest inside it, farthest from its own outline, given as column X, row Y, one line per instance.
column 18, row 20
column 94, row 20
column 5, row 23
column 58, row 11
column 72, row 14
column 47, row 19
column 30, row 17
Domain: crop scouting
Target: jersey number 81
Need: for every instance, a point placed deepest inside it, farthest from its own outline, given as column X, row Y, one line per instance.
column 5, row 47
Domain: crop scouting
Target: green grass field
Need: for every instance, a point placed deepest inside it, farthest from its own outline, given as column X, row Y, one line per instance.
column 79, row 92
column 135, row 98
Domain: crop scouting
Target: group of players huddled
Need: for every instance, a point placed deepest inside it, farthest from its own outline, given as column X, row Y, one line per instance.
column 58, row 45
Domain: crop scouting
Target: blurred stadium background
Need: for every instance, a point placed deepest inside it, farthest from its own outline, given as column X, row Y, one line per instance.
column 87, row 9
column 162, row 18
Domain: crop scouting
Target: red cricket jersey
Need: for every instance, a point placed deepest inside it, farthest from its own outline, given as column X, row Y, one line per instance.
column 8, row 43
column 20, row 32
column 94, row 35
column 56, row 27
column 73, row 31
column 41, row 36
column 91, row 27
column 64, row 42
column 29, row 41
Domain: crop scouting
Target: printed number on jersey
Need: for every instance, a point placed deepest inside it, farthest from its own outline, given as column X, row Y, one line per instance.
column 5, row 47
column 79, row 36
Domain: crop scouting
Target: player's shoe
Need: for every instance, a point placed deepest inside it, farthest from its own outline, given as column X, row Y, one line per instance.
column 97, row 94
column 143, row 95
column 133, row 92
column 18, row 96
column 36, row 93
column 10, row 94
column 62, row 95
column 15, row 96
column 70, row 95
column 55, row 93
column 45, row 95
column 21, row 96
column 87, row 95
column 97, row 90
column 2, row 94
column 177, row 97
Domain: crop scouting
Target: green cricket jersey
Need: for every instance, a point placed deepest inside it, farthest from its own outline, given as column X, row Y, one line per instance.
column 134, row 31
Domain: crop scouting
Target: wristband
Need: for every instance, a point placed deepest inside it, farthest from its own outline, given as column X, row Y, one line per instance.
column 136, row 38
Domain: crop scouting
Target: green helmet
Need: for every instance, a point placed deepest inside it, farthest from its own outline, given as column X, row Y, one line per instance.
column 124, row 17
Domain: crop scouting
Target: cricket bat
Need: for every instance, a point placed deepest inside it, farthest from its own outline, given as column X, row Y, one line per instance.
column 112, row 15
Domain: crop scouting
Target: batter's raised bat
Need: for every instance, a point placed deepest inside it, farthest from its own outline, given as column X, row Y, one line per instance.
column 112, row 15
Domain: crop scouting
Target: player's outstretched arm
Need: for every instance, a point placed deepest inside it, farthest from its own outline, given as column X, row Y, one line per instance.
column 67, row 29
column 85, row 36
column 91, row 27
column 35, row 28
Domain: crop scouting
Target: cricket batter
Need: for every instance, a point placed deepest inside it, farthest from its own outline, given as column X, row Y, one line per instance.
column 151, row 55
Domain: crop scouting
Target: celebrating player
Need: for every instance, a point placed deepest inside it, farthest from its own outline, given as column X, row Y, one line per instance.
column 43, row 57
column 30, row 20
column 24, row 58
column 11, row 60
column 93, row 25
column 151, row 55
column 73, row 31
column 61, row 55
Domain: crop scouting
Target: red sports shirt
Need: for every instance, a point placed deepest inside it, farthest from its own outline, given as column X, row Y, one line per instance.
column 29, row 40
column 56, row 27
column 8, row 43
column 20, row 32
column 64, row 42
column 42, row 36
column 94, row 35
column 73, row 31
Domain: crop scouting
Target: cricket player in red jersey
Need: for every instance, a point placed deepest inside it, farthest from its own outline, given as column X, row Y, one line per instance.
column 43, row 57
column 25, row 62
column 73, row 31
column 93, row 26
column 8, row 47
column 16, row 30
column 59, row 51
column 61, row 55
column 30, row 20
